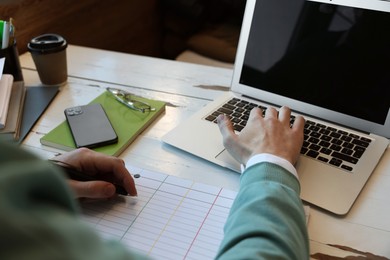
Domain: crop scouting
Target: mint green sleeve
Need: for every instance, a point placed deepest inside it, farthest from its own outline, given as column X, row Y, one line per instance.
column 267, row 219
column 39, row 217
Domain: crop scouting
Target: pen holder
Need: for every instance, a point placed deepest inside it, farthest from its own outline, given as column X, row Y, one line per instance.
column 12, row 63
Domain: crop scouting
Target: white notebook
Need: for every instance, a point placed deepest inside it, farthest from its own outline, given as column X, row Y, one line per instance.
column 6, row 82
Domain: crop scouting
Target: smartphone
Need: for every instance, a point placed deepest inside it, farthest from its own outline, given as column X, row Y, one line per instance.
column 90, row 126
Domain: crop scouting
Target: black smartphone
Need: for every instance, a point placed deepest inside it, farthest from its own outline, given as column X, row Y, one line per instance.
column 90, row 126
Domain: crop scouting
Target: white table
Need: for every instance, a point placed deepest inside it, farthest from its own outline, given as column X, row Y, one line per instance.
column 186, row 88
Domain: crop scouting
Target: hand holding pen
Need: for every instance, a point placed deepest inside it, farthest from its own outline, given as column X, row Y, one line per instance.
column 108, row 175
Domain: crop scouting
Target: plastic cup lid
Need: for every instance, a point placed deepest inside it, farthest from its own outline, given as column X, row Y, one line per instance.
column 47, row 43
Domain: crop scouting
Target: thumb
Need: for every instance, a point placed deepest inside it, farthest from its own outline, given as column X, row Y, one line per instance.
column 230, row 139
column 92, row 189
column 225, row 127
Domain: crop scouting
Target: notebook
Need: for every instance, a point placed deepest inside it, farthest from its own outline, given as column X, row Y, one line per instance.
column 327, row 60
column 6, row 82
column 128, row 124
column 15, row 111
column 37, row 99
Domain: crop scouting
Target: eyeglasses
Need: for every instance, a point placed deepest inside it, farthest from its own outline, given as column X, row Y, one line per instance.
column 130, row 100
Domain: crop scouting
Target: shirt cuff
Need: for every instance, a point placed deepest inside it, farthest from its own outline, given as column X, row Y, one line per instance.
column 266, row 157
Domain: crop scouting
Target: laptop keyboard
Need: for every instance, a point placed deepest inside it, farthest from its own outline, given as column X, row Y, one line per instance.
column 327, row 144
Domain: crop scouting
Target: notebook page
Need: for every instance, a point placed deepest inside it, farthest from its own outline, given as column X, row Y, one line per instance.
column 172, row 218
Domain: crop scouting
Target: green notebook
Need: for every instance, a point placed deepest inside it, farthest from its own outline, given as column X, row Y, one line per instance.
column 128, row 124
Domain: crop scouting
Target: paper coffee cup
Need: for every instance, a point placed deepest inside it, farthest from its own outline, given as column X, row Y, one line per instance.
column 49, row 54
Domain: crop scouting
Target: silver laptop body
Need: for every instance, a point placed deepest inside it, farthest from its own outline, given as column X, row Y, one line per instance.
column 291, row 52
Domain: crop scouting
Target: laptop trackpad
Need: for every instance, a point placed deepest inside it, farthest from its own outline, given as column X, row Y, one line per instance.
column 228, row 161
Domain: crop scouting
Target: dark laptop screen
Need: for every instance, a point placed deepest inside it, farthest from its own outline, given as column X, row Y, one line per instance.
column 330, row 56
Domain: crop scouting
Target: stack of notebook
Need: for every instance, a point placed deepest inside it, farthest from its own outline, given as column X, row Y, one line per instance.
column 11, row 105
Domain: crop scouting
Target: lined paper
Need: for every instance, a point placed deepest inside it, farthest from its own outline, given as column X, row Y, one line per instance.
column 172, row 218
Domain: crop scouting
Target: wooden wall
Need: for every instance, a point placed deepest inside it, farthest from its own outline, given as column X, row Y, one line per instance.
column 132, row 26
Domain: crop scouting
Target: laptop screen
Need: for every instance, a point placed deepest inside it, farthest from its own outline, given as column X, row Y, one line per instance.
column 331, row 56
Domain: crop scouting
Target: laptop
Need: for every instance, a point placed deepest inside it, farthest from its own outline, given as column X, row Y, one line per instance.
column 330, row 62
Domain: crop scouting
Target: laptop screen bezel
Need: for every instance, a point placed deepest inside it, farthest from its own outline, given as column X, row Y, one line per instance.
column 299, row 106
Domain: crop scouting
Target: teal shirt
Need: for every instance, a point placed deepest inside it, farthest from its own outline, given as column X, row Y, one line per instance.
column 39, row 217
column 267, row 219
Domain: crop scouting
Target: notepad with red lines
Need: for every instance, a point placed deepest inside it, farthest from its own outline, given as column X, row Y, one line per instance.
column 172, row 218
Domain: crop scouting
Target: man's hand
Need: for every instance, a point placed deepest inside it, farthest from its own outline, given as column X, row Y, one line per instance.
column 107, row 169
column 269, row 134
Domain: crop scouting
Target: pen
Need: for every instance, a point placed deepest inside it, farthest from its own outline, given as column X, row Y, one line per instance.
column 1, row 33
column 80, row 176
column 11, row 32
column 5, row 39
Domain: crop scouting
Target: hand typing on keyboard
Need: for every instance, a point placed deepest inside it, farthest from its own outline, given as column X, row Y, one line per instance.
column 273, row 134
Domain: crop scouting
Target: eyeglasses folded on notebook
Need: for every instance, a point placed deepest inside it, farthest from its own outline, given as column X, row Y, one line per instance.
column 130, row 100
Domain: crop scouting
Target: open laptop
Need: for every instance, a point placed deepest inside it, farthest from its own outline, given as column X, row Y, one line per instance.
column 328, row 60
